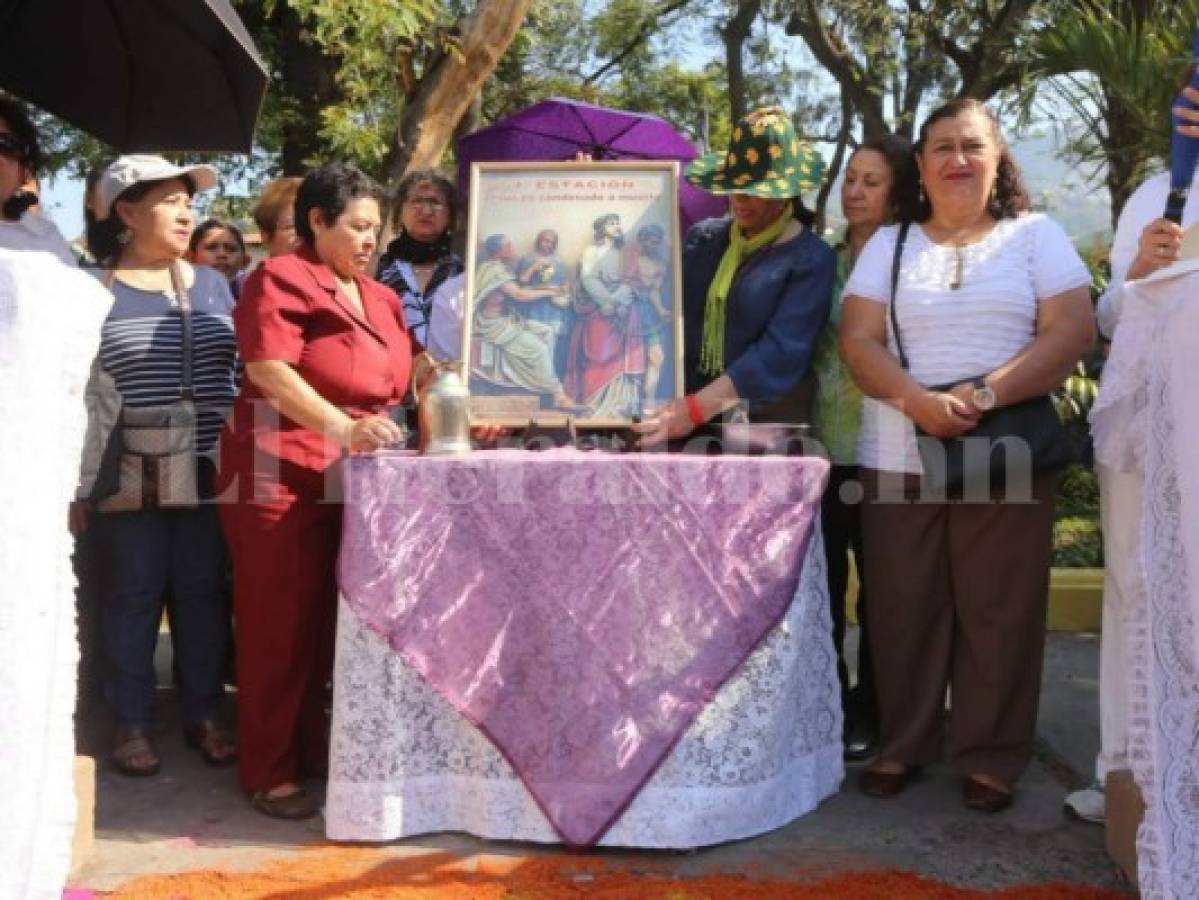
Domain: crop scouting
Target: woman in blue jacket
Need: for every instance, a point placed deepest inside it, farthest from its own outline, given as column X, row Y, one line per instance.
column 757, row 286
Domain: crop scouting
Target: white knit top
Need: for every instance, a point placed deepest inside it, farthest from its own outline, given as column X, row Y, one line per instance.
column 952, row 335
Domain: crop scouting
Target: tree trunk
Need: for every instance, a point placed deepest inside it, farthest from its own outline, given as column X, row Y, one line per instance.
column 735, row 34
column 311, row 78
column 838, row 160
column 450, row 85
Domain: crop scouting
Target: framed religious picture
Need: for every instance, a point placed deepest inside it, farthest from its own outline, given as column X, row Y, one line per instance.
column 573, row 306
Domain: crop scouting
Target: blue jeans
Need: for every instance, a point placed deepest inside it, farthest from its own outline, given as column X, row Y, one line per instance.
column 140, row 555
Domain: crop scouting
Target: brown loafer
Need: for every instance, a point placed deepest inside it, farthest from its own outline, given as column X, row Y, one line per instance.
column 884, row 785
column 984, row 797
column 297, row 805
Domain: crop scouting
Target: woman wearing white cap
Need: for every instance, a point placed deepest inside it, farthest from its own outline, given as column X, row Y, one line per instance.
column 150, row 541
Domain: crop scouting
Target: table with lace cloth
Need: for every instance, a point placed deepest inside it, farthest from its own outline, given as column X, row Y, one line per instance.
column 624, row 650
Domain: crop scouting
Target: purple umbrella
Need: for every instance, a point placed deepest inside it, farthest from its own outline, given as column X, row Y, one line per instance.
column 555, row 130
column 1184, row 151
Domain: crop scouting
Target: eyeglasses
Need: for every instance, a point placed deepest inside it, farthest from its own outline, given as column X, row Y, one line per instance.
column 11, row 146
column 428, row 204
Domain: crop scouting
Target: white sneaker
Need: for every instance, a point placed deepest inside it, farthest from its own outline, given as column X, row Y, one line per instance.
column 1089, row 804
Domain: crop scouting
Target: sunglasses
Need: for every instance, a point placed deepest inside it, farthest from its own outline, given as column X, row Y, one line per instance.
column 12, row 146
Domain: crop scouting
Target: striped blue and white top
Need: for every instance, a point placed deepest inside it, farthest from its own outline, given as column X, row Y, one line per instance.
column 141, row 347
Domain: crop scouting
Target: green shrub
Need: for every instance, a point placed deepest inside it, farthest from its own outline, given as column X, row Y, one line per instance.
column 1077, row 538
column 1077, row 543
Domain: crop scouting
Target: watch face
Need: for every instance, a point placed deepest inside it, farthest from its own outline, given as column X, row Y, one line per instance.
column 984, row 398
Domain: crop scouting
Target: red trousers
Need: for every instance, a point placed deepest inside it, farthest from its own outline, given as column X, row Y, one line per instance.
column 284, row 547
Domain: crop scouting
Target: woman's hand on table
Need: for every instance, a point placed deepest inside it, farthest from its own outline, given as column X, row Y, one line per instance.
column 944, row 415
column 371, row 433
column 668, row 423
column 488, row 435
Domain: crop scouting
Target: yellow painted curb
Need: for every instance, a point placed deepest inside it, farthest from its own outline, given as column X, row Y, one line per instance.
column 1075, row 599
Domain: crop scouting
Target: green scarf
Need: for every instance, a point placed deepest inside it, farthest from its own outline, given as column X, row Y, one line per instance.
column 711, row 359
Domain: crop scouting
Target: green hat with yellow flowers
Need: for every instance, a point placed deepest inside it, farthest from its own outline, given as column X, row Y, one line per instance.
column 765, row 159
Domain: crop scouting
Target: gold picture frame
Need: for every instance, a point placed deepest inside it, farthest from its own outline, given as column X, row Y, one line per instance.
column 573, row 305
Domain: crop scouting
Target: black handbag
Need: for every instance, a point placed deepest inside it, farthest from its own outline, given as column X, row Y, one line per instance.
column 1014, row 440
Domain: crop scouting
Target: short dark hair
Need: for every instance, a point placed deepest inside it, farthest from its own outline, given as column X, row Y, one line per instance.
column 439, row 180
column 208, row 225
column 1010, row 197
column 896, row 151
column 16, row 117
column 104, row 235
column 330, row 190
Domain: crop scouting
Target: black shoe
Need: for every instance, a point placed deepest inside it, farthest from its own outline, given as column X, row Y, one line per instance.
column 861, row 740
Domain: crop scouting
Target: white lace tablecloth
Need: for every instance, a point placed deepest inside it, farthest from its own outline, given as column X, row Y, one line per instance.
column 764, row 752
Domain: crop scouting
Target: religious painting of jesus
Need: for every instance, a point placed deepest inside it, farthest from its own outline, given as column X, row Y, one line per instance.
column 573, row 294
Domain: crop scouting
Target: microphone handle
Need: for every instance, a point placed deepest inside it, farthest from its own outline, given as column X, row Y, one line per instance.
column 1175, row 202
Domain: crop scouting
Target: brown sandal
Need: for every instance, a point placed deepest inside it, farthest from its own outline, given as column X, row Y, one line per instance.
column 299, row 804
column 214, row 743
column 129, row 745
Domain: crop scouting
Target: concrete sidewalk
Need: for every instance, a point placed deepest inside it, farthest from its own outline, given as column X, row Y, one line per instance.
column 192, row 816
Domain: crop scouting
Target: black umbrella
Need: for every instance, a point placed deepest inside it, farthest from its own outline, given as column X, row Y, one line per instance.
column 142, row 75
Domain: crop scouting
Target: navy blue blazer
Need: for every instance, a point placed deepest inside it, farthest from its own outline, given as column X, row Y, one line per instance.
column 777, row 308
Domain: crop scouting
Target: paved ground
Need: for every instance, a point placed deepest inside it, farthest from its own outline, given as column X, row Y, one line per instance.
column 193, row 817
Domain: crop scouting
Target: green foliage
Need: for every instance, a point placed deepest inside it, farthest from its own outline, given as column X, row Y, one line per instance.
column 1077, row 539
column 370, row 40
column 1077, row 543
column 1116, row 65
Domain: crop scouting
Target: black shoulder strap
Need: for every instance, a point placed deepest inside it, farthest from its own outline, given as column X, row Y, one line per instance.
column 185, row 311
column 900, row 240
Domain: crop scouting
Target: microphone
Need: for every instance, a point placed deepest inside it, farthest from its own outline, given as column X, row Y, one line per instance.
column 1184, row 151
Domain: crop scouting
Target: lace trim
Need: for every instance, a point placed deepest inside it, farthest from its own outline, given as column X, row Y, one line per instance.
column 764, row 752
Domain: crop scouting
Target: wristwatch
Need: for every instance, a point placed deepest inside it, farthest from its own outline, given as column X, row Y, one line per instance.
column 984, row 395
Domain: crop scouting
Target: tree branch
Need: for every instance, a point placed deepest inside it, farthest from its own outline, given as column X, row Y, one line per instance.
column 834, row 167
column 734, row 34
column 862, row 87
column 643, row 34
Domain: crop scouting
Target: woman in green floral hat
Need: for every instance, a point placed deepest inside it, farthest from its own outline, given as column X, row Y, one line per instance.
column 757, row 285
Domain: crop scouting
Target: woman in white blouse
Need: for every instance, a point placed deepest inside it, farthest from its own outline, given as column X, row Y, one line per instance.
column 958, row 588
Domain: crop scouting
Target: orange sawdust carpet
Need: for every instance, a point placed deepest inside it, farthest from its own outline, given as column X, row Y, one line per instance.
column 362, row 874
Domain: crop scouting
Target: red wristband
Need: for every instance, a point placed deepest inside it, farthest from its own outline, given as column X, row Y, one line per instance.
column 694, row 412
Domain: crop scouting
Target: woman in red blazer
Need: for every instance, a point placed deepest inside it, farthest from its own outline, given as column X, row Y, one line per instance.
column 325, row 352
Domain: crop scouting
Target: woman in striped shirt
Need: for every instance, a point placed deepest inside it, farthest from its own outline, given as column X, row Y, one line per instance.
column 146, row 220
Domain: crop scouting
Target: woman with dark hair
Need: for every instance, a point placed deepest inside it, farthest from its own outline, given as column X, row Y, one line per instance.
column 219, row 246
column 975, row 305
column 325, row 356
column 139, row 234
column 419, row 259
column 756, row 286
column 21, row 227
column 869, row 199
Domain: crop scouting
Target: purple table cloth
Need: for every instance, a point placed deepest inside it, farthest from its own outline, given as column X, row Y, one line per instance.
column 579, row 608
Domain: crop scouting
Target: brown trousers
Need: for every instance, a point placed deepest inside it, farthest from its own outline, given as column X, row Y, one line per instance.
column 957, row 597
